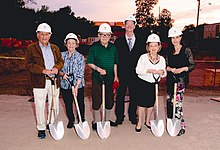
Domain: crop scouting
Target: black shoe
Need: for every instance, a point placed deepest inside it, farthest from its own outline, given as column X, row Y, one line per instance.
column 133, row 121
column 182, row 131
column 70, row 125
column 119, row 122
column 113, row 124
column 41, row 134
column 94, row 126
column 47, row 127
column 137, row 130
column 149, row 127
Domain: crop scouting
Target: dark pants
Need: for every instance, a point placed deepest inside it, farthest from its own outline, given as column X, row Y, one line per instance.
column 68, row 100
column 97, row 96
column 120, row 100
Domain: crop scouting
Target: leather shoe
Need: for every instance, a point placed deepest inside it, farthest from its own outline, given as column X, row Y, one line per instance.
column 70, row 125
column 41, row 134
column 94, row 126
column 113, row 124
column 133, row 121
column 137, row 130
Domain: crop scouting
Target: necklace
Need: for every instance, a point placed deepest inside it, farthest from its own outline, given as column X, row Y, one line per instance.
column 155, row 59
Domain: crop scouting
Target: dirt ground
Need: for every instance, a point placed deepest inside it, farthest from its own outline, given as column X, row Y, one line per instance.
column 202, row 115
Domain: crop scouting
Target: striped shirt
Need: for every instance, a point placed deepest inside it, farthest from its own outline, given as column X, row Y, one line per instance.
column 74, row 66
column 105, row 58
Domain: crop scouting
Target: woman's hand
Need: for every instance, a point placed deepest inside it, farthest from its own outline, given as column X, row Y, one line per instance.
column 65, row 76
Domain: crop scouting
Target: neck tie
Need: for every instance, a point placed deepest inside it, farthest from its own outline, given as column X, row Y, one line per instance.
column 130, row 43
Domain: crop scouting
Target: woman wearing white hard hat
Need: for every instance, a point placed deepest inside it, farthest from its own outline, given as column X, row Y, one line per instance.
column 73, row 71
column 179, row 63
column 149, row 65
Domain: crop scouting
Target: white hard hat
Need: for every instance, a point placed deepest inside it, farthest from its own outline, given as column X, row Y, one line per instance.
column 44, row 27
column 71, row 36
column 131, row 17
column 153, row 38
column 174, row 32
column 104, row 27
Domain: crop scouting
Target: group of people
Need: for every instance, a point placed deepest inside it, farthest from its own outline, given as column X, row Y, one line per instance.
column 131, row 61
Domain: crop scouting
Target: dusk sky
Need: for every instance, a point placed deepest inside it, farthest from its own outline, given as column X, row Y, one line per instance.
column 184, row 12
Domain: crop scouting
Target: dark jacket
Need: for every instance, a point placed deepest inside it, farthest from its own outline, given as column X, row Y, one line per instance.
column 183, row 59
column 35, row 64
column 127, row 60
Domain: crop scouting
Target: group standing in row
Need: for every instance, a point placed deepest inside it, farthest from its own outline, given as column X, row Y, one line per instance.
column 131, row 61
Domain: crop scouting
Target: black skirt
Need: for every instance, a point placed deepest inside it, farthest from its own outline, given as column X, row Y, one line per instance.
column 145, row 94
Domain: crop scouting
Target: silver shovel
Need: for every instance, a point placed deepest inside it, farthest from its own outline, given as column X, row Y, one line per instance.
column 82, row 128
column 56, row 128
column 157, row 126
column 103, row 127
column 174, row 124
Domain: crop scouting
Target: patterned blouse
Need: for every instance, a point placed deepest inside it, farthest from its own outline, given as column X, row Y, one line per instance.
column 74, row 66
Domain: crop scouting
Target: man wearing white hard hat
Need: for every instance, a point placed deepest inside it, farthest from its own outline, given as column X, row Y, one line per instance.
column 103, row 59
column 150, row 67
column 73, row 70
column 180, row 63
column 130, row 46
column 43, row 60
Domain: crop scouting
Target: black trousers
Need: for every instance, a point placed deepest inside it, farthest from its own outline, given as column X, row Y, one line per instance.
column 68, row 100
column 120, row 100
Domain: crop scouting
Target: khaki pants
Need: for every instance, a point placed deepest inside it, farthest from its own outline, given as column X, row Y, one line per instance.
column 40, row 95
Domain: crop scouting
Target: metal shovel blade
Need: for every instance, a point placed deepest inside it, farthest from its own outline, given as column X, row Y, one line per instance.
column 57, row 130
column 103, row 129
column 173, row 126
column 157, row 127
column 82, row 130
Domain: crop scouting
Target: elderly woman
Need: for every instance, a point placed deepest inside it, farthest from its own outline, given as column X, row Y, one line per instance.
column 73, row 70
column 149, row 65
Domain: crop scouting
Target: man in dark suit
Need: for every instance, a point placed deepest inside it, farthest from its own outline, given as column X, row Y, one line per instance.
column 129, row 47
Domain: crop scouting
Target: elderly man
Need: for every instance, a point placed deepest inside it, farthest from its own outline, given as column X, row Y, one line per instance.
column 103, row 59
column 43, row 60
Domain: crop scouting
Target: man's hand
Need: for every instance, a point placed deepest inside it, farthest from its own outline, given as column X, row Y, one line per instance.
column 101, row 71
column 54, row 70
column 46, row 72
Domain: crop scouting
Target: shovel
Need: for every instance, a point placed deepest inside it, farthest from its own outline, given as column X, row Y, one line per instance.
column 56, row 128
column 157, row 126
column 82, row 128
column 174, row 124
column 103, row 127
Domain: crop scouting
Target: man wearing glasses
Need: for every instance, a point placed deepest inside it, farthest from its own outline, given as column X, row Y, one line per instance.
column 103, row 59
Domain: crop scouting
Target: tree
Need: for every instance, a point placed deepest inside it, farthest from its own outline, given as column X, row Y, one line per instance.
column 165, row 18
column 143, row 15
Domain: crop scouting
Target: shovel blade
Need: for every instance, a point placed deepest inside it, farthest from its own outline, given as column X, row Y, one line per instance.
column 103, row 129
column 173, row 126
column 57, row 130
column 82, row 130
column 157, row 127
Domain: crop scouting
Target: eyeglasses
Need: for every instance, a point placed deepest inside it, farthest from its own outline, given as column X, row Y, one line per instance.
column 104, row 35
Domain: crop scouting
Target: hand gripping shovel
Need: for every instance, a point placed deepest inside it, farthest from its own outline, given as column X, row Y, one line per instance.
column 174, row 124
column 82, row 128
column 56, row 128
column 103, row 127
column 157, row 126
